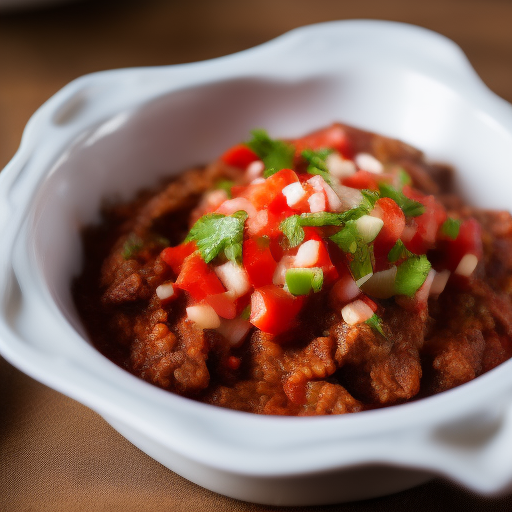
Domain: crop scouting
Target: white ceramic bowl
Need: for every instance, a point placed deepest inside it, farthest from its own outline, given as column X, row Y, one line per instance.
column 111, row 133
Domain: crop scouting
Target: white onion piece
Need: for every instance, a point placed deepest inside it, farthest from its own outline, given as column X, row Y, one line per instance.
column 254, row 170
column 356, row 312
column 257, row 223
column 467, row 265
column 349, row 197
column 279, row 277
column 344, row 290
column 234, row 330
column 381, row 285
column 369, row 227
column 339, row 166
column 257, row 181
column 363, row 279
column 204, row 316
column 293, row 193
column 368, row 163
column 165, row 291
column 307, row 255
column 333, row 199
column 234, row 205
column 424, row 290
column 317, row 202
column 439, row 282
column 234, row 277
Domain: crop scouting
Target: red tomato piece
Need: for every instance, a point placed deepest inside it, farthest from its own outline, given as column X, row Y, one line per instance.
column 198, row 279
column 274, row 310
column 239, row 156
column 262, row 194
column 333, row 137
column 362, row 180
column 174, row 256
column 324, row 259
column 258, row 262
column 394, row 223
column 223, row 304
column 468, row 241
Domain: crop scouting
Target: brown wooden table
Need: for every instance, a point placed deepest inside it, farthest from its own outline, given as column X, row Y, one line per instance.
column 55, row 454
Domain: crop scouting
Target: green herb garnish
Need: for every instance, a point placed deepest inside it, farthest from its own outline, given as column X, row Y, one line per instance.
column 215, row 233
column 450, row 228
column 275, row 154
column 399, row 252
column 375, row 322
column 316, row 163
column 410, row 207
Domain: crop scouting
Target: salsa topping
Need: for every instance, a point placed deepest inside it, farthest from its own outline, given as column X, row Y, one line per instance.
column 311, row 217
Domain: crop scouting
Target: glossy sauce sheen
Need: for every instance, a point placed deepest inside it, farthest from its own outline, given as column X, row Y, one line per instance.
column 320, row 365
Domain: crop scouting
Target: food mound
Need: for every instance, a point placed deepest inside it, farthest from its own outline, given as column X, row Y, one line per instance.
column 329, row 274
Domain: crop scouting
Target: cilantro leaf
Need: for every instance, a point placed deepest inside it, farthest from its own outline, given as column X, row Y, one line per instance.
column 316, row 161
column 359, row 254
column 215, row 233
column 275, row 154
column 410, row 207
column 411, row 274
column 450, row 228
column 399, row 252
column 375, row 322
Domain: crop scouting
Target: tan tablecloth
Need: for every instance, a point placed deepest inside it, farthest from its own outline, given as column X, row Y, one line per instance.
column 55, row 454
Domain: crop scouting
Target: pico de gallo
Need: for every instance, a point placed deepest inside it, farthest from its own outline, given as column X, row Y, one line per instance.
column 310, row 217
column 326, row 274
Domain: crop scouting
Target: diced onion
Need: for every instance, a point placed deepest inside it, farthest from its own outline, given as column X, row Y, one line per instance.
column 307, row 255
column 234, row 205
column 257, row 223
column 319, row 185
column 369, row 227
column 344, row 290
column 279, row 277
column 234, row 330
column 363, row 279
column 424, row 290
column 203, row 316
column 467, row 265
column 356, row 312
column 317, row 202
column 165, row 291
column 339, row 166
column 293, row 193
column 439, row 282
column 234, row 278
column 368, row 163
column 382, row 284
column 255, row 170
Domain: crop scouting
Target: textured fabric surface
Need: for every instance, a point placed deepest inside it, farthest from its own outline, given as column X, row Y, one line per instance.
column 57, row 455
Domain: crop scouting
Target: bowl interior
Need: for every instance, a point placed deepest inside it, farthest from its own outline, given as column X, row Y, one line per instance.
column 137, row 147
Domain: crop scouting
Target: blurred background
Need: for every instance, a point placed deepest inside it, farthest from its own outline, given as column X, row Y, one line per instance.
column 45, row 46
column 54, row 453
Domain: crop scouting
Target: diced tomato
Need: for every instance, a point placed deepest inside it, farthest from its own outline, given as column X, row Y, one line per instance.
column 274, row 310
column 427, row 224
column 239, row 156
column 262, row 194
column 362, row 180
column 258, row 262
column 394, row 223
column 369, row 302
column 324, row 260
column 174, row 256
column 223, row 303
column 198, row 279
column 468, row 241
column 333, row 137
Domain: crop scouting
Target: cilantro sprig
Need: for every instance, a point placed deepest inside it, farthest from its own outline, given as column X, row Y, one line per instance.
column 275, row 154
column 450, row 228
column 292, row 227
column 316, row 163
column 375, row 322
column 215, row 233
